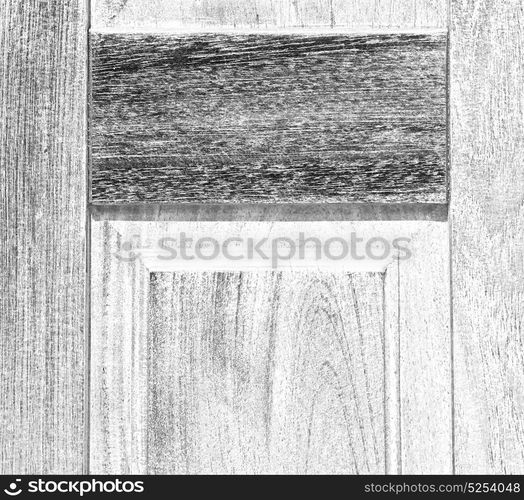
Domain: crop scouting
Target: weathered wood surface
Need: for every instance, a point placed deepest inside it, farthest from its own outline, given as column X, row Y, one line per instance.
column 487, row 219
column 42, row 236
column 177, row 15
column 232, row 356
column 268, row 118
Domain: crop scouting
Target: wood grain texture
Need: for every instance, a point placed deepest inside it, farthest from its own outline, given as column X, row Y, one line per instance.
column 268, row 118
column 194, row 368
column 42, row 236
column 176, row 15
column 487, row 217
column 271, row 372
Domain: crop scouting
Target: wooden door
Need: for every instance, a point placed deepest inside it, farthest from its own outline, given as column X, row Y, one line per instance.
column 363, row 125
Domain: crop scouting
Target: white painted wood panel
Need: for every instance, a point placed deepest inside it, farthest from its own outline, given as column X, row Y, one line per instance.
column 235, row 354
column 179, row 15
column 118, row 383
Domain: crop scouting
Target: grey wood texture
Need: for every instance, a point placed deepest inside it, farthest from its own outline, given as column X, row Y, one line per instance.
column 42, row 236
column 487, row 219
column 256, row 370
column 268, row 212
column 176, row 15
column 248, row 118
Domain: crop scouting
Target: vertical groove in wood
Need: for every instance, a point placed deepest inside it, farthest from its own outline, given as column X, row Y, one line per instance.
column 392, row 408
column 42, row 244
column 419, row 339
column 487, row 217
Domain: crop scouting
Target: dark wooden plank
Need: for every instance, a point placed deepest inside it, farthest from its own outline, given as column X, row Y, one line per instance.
column 268, row 118
column 176, row 15
column 43, row 81
column 487, row 220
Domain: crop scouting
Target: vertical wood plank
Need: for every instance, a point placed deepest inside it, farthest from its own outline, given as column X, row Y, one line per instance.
column 392, row 416
column 118, row 425
column 42, row 226
column 425, row 354
column 487, row 217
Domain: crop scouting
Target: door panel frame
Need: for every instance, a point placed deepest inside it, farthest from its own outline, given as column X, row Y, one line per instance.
column 417, row 336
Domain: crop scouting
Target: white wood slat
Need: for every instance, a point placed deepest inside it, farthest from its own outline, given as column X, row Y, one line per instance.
column 180, row 15
column 487, row 219
column 118, row 424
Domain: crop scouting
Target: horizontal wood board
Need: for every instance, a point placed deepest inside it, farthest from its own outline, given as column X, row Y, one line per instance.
column 177, row 15
column 262, row 118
